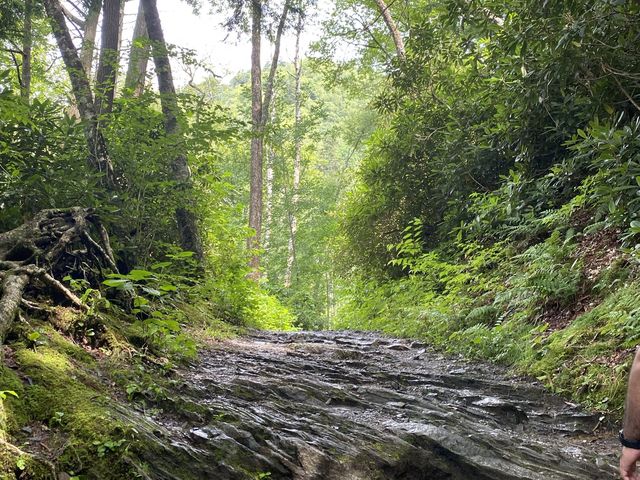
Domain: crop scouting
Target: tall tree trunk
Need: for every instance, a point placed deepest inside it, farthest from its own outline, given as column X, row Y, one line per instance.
column 393, row 28
column 293, row 219
column 255, row 200
column 98, row 153
column 185, row 218
column 260, row 111
column 27, row 40
column 268, row 214
column 269, row 89
column 139, row 56
column 109, row 55
column 89, row 36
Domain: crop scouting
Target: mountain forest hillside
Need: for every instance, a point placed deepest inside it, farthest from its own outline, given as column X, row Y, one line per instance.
column 461, row 173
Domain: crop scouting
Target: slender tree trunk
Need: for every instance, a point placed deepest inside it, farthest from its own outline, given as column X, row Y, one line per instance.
column 98, row 153
column 89, row 38
column 269, row 206
column 260, row 111
column 109, row 55
column 255, row 200
column 269, row 89
column 393, row 28
column 293, row 222
column 185, row 218
column 139, row 56
column 27, row 40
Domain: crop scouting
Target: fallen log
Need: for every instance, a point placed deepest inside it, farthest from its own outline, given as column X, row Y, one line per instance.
column 44, row 248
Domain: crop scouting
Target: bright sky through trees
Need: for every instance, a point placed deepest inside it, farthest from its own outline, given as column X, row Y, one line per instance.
column 225, row 53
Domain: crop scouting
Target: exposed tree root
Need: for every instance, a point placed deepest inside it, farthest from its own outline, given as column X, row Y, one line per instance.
column 51, row 245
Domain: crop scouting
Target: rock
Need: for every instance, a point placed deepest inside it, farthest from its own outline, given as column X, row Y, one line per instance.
column 398, row 347
column 249, row 409
column 198, row 434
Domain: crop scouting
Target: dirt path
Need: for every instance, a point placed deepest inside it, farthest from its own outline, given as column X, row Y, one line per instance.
column 351, row 405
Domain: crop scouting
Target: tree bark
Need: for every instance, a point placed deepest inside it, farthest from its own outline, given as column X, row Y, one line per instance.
column 269, row 203
column 109, row 55
column 98, row 153
column 27, row 41
column 269, row 89
column 257, row 146
column 12, row 289
column 393, row 28
column 89, row 38
column 139, row 56
column 185, row 218
column 293, row 219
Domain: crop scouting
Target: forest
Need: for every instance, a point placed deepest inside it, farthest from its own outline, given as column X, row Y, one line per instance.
column 377, row 227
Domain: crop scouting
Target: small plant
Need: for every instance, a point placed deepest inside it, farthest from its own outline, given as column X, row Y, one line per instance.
column 109, row 446
column 21, row 463
column 56, row 419
column 34, row 339
column 5, row 393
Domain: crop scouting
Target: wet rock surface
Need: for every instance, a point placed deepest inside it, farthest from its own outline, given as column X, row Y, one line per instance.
column 359, row 406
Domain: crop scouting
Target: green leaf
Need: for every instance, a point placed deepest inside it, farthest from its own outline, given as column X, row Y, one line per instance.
column 140, row 302
column 34, row 336
column 151, row 291
column 160, row 265
column 185, row 254
column 119, row 283
column 139, row 275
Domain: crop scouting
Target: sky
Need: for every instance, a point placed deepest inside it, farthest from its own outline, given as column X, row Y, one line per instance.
column 224, row 53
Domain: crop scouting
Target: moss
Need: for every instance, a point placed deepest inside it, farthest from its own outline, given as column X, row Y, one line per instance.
column 12, row 409
column 68, row 348
column 204, row 326
column 64, row 394
column 14, row 463
column 65, row 319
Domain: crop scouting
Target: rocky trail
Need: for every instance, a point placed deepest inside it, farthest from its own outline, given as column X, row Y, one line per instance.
column 359, row 406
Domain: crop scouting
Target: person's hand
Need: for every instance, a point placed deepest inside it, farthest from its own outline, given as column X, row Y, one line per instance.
column 628, row 461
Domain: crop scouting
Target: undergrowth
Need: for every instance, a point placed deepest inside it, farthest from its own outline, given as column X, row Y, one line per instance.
column 556, row 305
column 66, row 375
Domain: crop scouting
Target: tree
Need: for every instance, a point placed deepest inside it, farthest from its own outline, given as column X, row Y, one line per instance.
column 393, row 28
column 98, row 153
column 293, row 215
column 260, row 105
column 185, row 217
column 89, row 35
column 138, row 57
column 257, row 146
column 27, row 41
column 109, row 53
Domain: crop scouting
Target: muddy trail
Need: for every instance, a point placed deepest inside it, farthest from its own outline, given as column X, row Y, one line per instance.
column 359, row 406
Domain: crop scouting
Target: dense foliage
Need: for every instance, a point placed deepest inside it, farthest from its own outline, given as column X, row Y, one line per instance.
column 478, row 188
column 157, row 302
column 502, row 189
